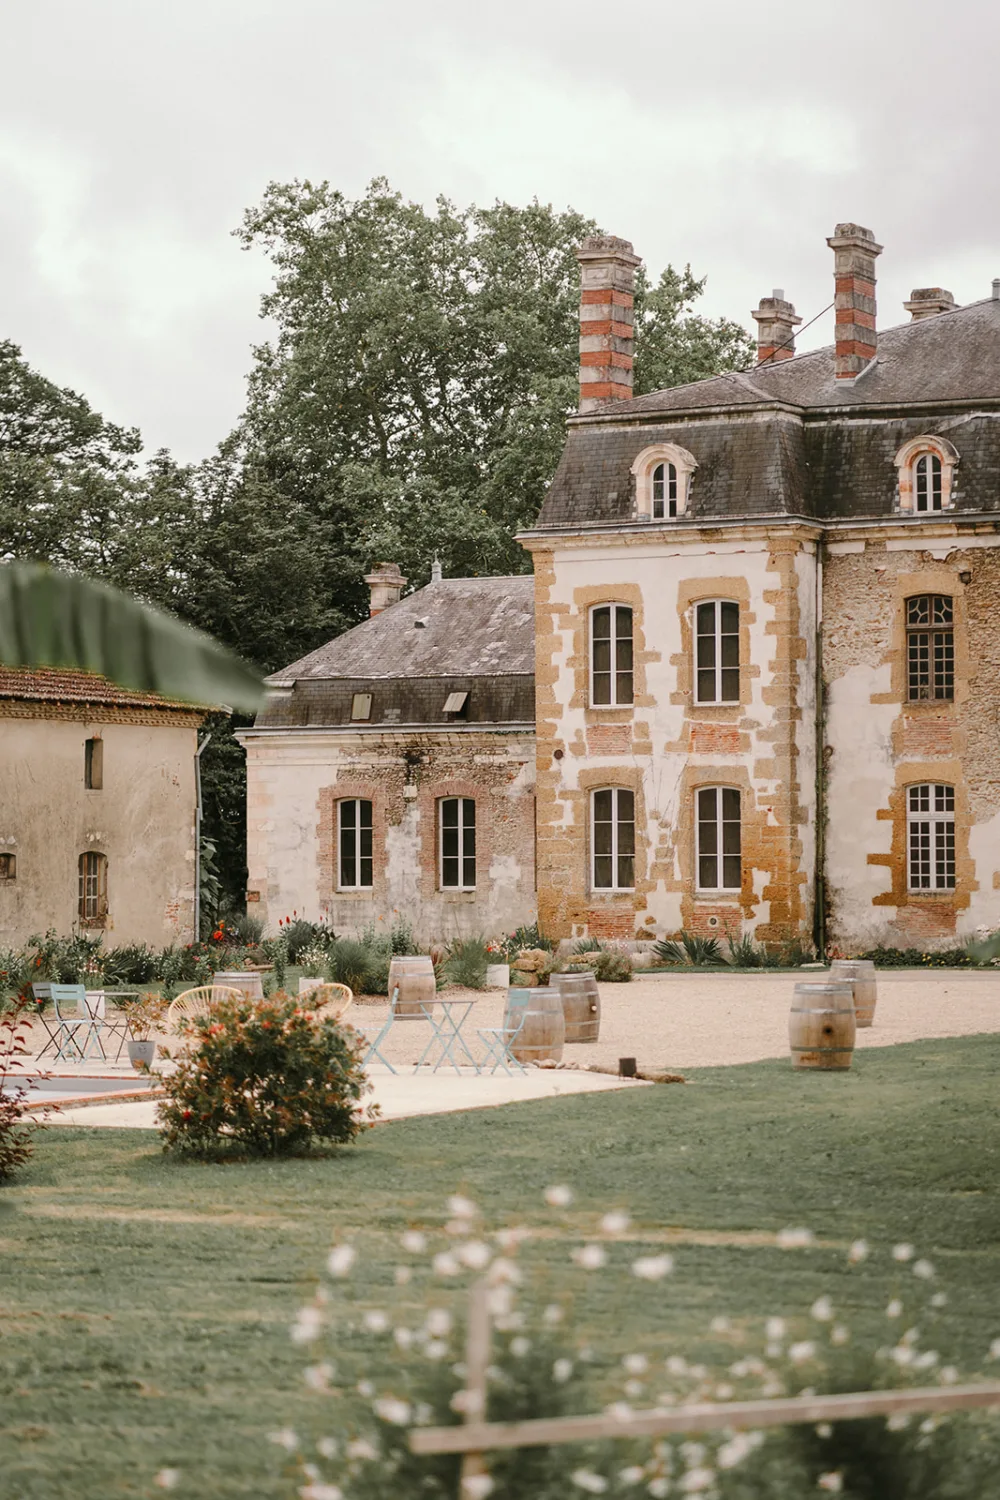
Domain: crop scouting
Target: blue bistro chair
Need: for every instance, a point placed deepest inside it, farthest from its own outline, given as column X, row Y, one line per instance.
column 42, row 992
column 498, row 1040
column 373, row 1046
column 75, row 1020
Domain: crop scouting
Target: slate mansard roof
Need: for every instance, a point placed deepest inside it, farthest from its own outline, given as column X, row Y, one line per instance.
column 458, row 635
column 789, row 438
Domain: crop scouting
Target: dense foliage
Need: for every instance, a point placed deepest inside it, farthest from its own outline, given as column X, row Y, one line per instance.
column 15, row 1142
column 267, row 1078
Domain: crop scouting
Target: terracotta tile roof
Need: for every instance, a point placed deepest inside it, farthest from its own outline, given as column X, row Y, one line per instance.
column 55, row 685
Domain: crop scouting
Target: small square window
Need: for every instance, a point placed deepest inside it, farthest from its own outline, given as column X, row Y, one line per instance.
column 361, row 706
column 455, row 702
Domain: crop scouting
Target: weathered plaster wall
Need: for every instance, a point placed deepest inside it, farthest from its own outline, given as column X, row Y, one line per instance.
column 878, row 743
column 295, row 780
column 142, row 821
column 664, row 746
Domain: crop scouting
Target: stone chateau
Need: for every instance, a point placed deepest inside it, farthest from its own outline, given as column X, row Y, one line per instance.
column 764, row 689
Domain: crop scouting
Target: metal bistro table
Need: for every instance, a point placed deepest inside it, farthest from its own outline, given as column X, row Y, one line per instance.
column 447, row 1032
column 119, row 1028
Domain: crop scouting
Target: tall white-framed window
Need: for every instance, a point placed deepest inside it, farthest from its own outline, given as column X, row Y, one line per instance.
column 718, row 834
column 930, row 837
column 662, row 476
column 92, row 909
column 717, row 651
column 612, row 839
column 457, row 843
column 611, row 656
column 354, row 844
column 927, row 482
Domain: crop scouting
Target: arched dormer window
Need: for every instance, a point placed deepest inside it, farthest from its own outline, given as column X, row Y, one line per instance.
column 926, row 468
column 662, row 482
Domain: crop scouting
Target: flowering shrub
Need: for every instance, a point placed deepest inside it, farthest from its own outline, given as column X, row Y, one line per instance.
column 268, row 1078
column 537, row 1369
column 15, row 1145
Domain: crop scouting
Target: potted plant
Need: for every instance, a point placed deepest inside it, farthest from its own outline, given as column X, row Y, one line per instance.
column 497, row 967
column 144, row 1016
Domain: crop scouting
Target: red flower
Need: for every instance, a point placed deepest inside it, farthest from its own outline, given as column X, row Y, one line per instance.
column 187, row 1115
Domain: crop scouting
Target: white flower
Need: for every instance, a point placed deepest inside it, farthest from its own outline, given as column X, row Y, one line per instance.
column 167, row 1479
column 366, row 1389
column 858, row 1252
column 413, row 1242
column 376, row 1321
column 392, row 1410
column 902, row 1252
column 822, row 1310
column 586, row 1479
column 503, row 1269
column 794, row 1239
column 341, row 1259
column 693, row 1454
column 438, row 1322
column 897, row 1421
column 659, row 1487
column 499, row 1300
column 724, row 1391
column 949, row 1375
column 634, row 1474
column 310, row 1322
column 995, row 1349
column 926, row 1361
column 927, row 1426
column 615, row 1222
column 620, row 1410
column 445, row 1264
column 652, row 1267
column 824, row 1430
column 403, row 1338
column 562, row 1370
column 403, row 1275
column 895, row 1308
column 676, row 1365
column 720, row 1325
column 474, row 1254
column 285, row 1438
column 327, row 1447
column 462, row 1208
column 559, row 1196
column 318, row 1377
column 520, row 1346
column 696, row 1480
column 477, row 1486
column 774, row 1328
column 839, row 1334
column 552, row 1315
column 361, row 1448
column 634, row 1389
column 590, row 1257
column 924, row 1269
column 735, row 1451
column 319, row 1491
column 800, row 1353
column 902, row 1355
column 834, row 1482
column 636, row 1364
column 435, row 1349
column 939, row 1299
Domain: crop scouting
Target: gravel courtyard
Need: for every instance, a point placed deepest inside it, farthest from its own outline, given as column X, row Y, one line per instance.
column 678, row 1021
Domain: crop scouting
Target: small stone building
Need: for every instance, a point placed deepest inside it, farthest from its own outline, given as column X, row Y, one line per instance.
column 97, row 810
column 391, row 773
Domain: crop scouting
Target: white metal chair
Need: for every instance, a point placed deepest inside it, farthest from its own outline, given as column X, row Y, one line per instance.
column 74, row 1018
column 499, row 1040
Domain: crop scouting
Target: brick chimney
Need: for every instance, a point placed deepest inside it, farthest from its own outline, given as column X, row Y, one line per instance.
column 854, row 254
column 607, row 279
column 776, row 324
column 386, row 583
column 928, row 301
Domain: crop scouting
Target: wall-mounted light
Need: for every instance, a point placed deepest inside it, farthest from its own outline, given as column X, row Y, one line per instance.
column 965, row 575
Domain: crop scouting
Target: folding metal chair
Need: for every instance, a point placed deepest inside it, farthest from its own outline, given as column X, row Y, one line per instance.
column 72, row 1023
column 42, row 992
column 373, row 1049
column 498, row 1040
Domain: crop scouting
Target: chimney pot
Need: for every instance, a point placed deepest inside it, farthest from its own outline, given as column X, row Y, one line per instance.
column 996, row 289
column 928, row 301
column 776, row 322
column 436, row 570
column 386, row 583
column 607, row 282
column 854, row 254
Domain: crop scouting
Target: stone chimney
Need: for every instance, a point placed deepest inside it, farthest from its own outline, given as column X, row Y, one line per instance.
column 607, row 279
column 386, row 583
column 928, row 301
column 854, row 254
column 776, row 324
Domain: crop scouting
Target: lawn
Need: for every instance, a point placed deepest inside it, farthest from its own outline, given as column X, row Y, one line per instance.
column 145, row 1303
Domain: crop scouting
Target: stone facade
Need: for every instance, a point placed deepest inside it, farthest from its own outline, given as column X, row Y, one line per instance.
column 140, row 820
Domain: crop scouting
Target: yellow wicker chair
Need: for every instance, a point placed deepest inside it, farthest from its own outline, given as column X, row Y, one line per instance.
column 197, row 1002
column 329, row 1001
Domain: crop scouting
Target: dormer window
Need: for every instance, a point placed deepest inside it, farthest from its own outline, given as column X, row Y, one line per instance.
column 662, row 482
column 926, row 468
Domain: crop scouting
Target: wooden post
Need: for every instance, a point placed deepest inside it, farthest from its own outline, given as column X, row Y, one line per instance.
column 477, row 1358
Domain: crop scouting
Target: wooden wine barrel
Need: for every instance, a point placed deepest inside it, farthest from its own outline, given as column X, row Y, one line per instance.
column 247, row 980
column 859, row 972
column 581, row 1005
column 415, row 978
column 544, row 1031
column 821, row 1025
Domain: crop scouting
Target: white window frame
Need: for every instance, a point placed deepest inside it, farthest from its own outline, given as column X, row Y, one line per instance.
column 92, row 879
column 462, row 828
column 617, row 823
column 719, row 853
column 717, row 637
column 907, row 462
column 644, row 473
column 930, row 818
column 613, row 669
column 923, row 469
column 357, row 831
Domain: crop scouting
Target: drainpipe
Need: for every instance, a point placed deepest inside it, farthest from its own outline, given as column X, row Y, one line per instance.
column 819, row 913
column 197, row 836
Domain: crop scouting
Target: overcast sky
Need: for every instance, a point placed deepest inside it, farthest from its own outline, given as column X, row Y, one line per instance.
column 133, row 133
